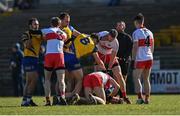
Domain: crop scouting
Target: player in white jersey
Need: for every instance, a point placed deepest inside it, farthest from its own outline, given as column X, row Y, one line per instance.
column 96, row 83
column 54, row 59
column 107, row 49
column 143, row 47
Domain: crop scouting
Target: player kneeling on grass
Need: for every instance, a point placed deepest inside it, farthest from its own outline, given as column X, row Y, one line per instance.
column 94, row 85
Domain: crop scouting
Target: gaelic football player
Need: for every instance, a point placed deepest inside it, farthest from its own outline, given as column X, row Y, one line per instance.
column 54, row 60
column 143, row 47
column 32, row 41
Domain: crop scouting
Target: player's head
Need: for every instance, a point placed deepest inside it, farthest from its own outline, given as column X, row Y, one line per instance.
column 65, row 19
column 33, row 24
column 55, row 22
column 95, row 37
column 112, row 34
column 139, row 20
column 103, row 35
column 120, row 26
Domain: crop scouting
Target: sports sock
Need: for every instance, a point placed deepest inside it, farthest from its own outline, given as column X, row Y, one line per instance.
column 47, row 99
column 140, row 95
column 146, row 97
column 120, row 93
column 124, row 94
column 29, row 98
column 24, row 100
column 62, row 94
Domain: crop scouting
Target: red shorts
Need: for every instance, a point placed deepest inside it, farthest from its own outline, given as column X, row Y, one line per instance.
column 54, row 61
column 144, row 64
column 92, row 81
column 106, row 59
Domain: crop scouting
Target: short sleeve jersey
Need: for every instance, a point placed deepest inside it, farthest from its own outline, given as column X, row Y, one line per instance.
column 144, row 37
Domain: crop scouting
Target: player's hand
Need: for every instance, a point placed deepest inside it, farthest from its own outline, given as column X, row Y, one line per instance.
column 110, row 66
column 28, row 44
column 109, row 98
column 101, row 66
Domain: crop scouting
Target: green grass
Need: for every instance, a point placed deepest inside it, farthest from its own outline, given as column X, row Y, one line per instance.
column 160, row 104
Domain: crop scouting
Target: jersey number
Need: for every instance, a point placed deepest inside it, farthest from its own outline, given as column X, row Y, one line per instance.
column 147, row 41
column 85, row 41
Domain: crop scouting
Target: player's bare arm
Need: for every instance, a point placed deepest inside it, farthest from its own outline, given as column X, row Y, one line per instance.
column 99, row 61
column 76, row 33
column 134, row 50
column 116, row 87
column 112, row 59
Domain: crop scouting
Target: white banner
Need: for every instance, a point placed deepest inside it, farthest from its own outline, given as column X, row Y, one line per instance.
column 165, row 81
column 156, row 65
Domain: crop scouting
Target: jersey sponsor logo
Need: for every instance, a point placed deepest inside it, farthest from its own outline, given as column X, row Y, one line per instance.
column 29, row 67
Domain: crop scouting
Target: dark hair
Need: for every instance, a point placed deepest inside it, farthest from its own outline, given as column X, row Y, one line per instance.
column 139, row 18
column 113, row 33
column 55, row 21
column 63, row 14
column 121, row 21
column 95, row 36
column 31, row 20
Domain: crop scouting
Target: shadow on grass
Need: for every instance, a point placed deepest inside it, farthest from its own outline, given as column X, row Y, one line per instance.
column 9, row 106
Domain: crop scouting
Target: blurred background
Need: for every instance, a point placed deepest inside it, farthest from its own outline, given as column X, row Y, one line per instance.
column 162, row 17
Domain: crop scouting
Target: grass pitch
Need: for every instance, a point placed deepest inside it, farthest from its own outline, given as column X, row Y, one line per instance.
column 160, row 105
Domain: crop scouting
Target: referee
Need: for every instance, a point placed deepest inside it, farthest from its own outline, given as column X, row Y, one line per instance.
column 125, row 48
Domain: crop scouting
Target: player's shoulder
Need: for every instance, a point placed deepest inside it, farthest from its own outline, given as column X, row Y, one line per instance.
column 115, row 41
column 149, row 31
column 62, row 31
column 98, row 73
column 137, row 31
column 37, row 32
column 64, row 35
column 127, row 35
column 70, row 27
column 25, row 33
